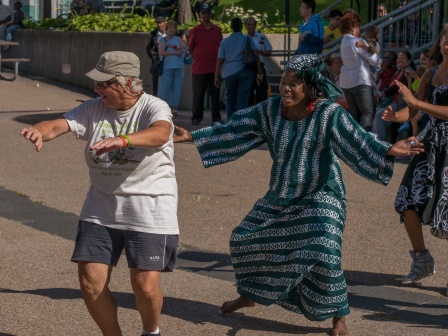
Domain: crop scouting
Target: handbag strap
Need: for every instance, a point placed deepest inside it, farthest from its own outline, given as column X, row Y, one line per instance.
column 166, row 47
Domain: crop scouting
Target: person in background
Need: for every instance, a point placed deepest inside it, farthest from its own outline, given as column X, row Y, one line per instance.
column 288, row 249
column 335, row 62
column 311, row 30
column 258, row 93
column 16, row 23
column 152, row 50
column 237, row 77
column 372, row 47
column 196, row 6
column 332, row 31
column 171, row 49
column 5, row 16
column 165, row 8
column 427, row 60
column 394, row 101
column 203, row 45
column 355, row 77
column 131, row 204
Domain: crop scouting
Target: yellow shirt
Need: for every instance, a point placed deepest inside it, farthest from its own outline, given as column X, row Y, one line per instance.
column 336, row 33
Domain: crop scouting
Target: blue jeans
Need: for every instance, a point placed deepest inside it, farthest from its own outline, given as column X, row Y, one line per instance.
column 238, row 90
column 380, row 126
column 361, row 105
column 170, row 86
column 7, row 32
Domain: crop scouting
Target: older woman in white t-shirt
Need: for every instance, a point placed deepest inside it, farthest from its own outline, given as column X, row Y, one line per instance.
column 355, row 77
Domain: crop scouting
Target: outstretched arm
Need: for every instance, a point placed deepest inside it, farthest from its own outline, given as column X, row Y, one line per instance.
column 156, row 135
column 45, row 131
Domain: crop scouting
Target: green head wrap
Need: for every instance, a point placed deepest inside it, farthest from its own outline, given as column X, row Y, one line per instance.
column 309, row 68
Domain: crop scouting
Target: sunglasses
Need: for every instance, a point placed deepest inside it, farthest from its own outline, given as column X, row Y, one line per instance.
column 105, row 84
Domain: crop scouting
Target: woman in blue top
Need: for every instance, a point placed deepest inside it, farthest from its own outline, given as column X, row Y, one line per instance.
column 171, row 50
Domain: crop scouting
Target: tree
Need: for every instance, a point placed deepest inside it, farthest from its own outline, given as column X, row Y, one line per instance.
column 183, row 11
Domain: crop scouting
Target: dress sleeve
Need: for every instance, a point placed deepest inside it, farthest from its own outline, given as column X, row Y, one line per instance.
column 222, row 143
column 359, row 149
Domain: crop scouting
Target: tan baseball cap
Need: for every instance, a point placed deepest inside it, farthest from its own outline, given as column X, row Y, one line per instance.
column 115, row 63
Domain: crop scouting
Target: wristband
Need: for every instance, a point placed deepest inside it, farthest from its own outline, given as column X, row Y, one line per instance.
column 125, row 137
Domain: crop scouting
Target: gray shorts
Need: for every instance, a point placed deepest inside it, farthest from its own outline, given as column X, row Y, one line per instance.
column 146, row 251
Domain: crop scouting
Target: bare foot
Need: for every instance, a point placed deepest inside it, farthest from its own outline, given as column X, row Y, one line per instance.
column 339, row 327
column 231, row 306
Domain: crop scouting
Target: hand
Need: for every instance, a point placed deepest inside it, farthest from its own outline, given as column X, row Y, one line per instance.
column 359, row 44
column 410, row 146
column 217, row 82
column 389, row 115
column 302, row 36
column 406, row 94
column 181, row 134
column 106, row 145
column 34, row 136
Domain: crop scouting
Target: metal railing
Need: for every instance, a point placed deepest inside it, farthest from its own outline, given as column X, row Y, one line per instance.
column 413, row 27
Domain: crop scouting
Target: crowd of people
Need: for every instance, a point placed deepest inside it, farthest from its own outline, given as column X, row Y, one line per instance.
column 288, row 249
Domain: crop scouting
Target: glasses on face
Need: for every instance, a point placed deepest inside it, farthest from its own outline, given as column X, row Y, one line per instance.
column 105, row 84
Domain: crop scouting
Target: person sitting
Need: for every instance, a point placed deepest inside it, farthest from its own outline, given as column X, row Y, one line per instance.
column 17, row 23
column 380, row 126
column 95, row 6
column 196, row 6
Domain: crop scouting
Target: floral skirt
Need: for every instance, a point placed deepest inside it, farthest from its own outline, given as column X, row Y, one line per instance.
column 424, row 187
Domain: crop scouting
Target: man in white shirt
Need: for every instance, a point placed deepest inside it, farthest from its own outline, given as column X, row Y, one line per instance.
column 5, row 16
column 131, row 204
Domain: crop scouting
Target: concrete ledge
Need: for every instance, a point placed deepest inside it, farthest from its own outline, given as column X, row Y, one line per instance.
column 66, row 55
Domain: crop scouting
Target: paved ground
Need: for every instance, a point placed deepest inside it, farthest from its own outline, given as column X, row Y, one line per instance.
column 42, row 193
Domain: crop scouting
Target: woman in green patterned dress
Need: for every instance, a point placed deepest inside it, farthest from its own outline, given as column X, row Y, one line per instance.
column 287, row 250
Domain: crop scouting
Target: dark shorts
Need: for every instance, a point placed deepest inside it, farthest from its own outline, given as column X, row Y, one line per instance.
column 146, row 251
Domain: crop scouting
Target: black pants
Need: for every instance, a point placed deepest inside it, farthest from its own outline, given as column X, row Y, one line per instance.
column 259, row 93
column 155, row 84
column 200, row 84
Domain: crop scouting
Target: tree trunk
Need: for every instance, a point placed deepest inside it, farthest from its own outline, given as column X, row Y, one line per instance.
column 183, row 11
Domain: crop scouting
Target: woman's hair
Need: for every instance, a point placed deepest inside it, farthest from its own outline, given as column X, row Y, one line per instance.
column 349, row 21
column 434, row 52
column 236, row 24
column 393, row 54
column 136, row 83
column 171, row 23
column 409, row 57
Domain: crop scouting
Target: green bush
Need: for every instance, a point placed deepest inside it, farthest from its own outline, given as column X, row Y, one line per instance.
column 121, row 22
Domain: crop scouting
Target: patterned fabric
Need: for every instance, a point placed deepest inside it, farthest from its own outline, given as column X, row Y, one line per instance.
column 424, row 187
column 309, row 68
column 287, row 250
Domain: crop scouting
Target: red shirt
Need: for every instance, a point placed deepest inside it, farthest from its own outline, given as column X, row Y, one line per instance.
column 205, row 45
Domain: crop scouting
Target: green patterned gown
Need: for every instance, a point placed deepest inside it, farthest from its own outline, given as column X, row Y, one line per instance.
column 287, row 250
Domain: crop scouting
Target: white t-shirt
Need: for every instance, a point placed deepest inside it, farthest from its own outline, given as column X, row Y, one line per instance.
column 132, row 188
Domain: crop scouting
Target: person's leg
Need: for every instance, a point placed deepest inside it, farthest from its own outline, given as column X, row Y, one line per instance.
column 155, row 84
column 199, row 83
column 423, row 263
column 214, row 97
column 366, row 104
column 379, row 126
column 413, row 225
column 148, row 297
column 350, row 96
column 234, row 305
column 176, row 88
column 244, row 84
column 231, row 83
column 9, row 30
column 94, row 280
column 164, row 86
column 262, row 89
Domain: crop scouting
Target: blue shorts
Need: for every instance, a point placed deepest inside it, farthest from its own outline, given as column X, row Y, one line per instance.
column 146, row 251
